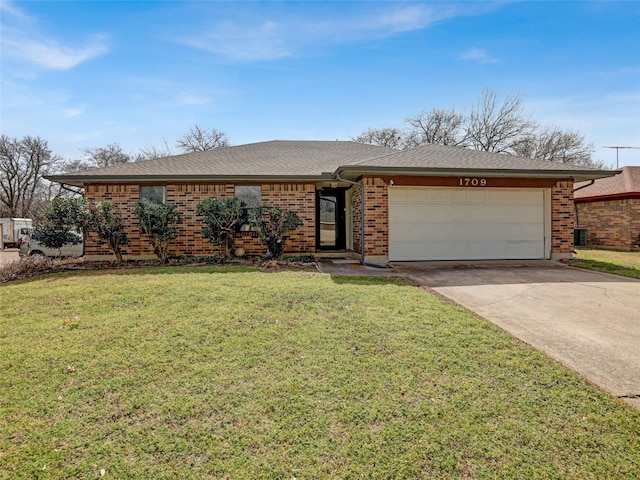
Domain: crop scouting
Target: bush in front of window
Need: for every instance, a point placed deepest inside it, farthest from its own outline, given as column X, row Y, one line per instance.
column 273, row 224
column 221, row 218
column 158, row 223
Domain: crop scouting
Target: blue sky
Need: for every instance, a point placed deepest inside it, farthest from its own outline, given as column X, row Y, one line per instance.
column 85, row 74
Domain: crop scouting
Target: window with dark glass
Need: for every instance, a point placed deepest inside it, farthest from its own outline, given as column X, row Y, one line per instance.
column 154, row 194
column 251, row 197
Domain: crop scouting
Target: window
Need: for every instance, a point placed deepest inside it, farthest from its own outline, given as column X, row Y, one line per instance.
column 251, row 197
column 152, row 194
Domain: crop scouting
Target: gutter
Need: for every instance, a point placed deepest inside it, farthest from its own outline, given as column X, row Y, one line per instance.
column 81, row 180
column 577, row 175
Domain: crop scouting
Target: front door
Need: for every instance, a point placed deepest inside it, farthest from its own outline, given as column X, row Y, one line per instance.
column 330, row 227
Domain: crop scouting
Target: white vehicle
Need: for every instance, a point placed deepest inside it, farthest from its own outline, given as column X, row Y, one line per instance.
column 31, row 246
column 15, row 229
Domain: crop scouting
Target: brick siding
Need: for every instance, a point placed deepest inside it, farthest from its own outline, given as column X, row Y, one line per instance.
column 376, row 214
column 562, row 217
column 611, row 223
column 296, row 197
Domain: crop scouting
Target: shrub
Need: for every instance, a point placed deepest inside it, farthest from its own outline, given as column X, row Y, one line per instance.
column 272, row 224
column 62, row 219
column 25, row 267
column 158, row 223
column 221, row 218
column 106, row 221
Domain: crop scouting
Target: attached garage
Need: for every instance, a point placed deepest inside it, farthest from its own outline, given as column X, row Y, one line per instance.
column 442, row 223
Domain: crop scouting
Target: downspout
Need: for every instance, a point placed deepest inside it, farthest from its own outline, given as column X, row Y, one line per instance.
column 575, row 206
column 584, row 186
column 361, row 214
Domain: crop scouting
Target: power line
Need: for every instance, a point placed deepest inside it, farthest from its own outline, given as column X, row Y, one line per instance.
column 617, row 150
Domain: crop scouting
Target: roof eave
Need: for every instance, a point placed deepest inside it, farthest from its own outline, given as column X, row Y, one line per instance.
column 608, row 196
column 348, row 172
column 352, row 172
column 80, row 181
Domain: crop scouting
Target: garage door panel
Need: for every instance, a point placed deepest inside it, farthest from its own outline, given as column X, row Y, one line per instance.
column 496, row 196
column 458, row 196
column 455, row 213
column 477, row 213
column 478, row 196
column 524, row 213
column 440, row 223
column 521, row 232
column 496, row 213
column 531, row 196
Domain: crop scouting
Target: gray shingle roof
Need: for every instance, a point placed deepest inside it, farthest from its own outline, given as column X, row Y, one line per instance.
column 311, row 159
column 275, row 158
column 447, row 157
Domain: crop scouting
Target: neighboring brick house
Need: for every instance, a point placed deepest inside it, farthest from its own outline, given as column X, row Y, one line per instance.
column 428, row 203
column 610, row 209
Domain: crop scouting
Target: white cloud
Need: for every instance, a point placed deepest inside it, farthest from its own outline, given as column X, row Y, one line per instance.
column 186, row 98
column 24, row 43
column 250, row 39
column 73, row 112
column 49, row 54
column 479, row 55
column 231, row 40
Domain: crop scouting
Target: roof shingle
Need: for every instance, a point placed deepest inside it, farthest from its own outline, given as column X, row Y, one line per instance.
column 281, row 159
column 624, row 184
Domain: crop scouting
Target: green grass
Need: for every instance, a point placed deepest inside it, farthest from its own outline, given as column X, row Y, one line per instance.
column 219, row 372
column 626, row 264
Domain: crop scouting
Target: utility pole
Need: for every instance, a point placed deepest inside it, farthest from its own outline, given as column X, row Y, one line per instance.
column 617, row 150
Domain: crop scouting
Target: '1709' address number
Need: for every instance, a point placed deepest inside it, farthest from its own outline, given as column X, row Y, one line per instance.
column 473, row 182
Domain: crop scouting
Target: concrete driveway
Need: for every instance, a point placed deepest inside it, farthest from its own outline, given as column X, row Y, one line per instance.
column 586, row 320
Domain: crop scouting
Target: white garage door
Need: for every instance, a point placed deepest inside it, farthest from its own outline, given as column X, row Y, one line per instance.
column 438, row 223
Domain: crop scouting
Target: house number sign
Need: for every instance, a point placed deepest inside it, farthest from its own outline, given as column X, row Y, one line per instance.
column 473, row 182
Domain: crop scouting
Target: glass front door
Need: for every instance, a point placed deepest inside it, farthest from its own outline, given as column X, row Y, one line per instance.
column 331, row 219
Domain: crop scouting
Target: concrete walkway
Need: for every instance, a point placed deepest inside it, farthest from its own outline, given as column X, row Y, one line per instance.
column 588, row 321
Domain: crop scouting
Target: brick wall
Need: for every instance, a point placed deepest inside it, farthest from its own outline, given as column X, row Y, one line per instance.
column 376, row 225
column 610, row 223
column 562, row 217
column 296, row 197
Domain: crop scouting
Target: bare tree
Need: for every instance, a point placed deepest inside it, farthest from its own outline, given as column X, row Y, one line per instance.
column 439, row 126
column 76, row 165
column 200, row 140
column 23, row 163
column 107, row 156
column 152, row 152
column 555, row 145
column 383, row 137
column 497, row 127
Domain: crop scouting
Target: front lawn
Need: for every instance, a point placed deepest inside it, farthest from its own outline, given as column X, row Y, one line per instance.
column 609, row 261
column 216, row 372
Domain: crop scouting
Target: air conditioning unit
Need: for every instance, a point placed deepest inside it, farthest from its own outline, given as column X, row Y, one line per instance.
column 579, row 237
